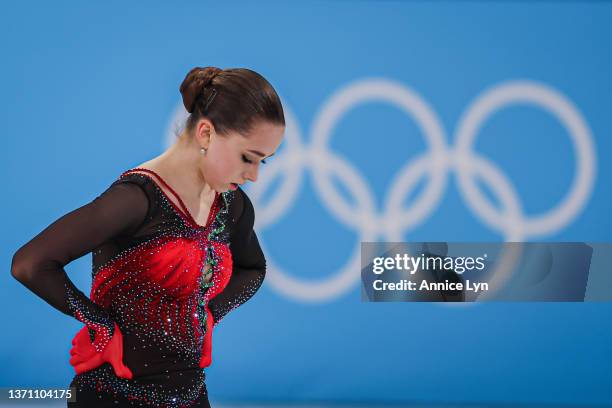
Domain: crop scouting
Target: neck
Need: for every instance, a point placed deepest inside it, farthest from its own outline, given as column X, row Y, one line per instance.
column 181, row 162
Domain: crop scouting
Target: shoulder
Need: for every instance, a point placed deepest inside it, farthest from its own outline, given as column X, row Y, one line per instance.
column 137, row 181
column 132, row 177
column 241, row 210
column 138, row 186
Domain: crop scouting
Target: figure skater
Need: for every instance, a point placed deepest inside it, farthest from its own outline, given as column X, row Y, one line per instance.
column 173, row 250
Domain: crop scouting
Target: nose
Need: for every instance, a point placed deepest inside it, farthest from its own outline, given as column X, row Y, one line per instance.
column 252, row 174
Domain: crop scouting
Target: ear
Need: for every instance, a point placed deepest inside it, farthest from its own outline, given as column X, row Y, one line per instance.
column 204, row 130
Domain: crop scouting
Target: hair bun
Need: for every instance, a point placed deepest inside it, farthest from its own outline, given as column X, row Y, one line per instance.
column 194, row 83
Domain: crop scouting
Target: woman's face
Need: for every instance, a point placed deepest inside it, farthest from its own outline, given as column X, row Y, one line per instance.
column 234, row 158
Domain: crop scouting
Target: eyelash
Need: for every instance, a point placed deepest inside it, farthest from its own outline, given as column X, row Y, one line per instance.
column 244, row 158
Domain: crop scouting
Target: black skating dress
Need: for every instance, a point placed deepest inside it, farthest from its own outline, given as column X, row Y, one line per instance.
column 165, row 280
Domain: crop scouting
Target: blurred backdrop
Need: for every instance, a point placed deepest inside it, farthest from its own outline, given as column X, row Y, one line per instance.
column 439, row 121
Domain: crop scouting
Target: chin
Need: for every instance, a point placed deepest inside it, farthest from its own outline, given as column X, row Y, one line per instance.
column 223, row 188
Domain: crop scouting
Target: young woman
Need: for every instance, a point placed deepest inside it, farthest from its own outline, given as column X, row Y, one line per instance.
column 173, row 250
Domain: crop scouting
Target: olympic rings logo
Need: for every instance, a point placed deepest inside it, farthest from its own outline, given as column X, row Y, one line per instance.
column 436, row 164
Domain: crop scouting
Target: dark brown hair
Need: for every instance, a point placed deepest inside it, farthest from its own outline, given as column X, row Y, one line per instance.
column 233, row 99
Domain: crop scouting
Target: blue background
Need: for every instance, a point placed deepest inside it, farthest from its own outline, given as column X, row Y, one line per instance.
column 88, row 91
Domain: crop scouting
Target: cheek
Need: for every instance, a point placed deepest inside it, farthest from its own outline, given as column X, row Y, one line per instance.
column 223, row 166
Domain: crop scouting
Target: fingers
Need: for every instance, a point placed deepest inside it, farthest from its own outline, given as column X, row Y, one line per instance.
column 75, row 352
column 81, row 364
column 114, row 355
column 205, row 361
column 77, row 356
column 85, row 351
column 80, row 354
column 87, row 365
column 81, row 339
column 116, row 360
column 76, row 336
column 76, row 360
column 84, row 347
column 77, row 339
column 122, row 371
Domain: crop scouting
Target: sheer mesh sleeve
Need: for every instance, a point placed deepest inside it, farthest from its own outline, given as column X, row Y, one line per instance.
column 249, row 264
column 39, row 264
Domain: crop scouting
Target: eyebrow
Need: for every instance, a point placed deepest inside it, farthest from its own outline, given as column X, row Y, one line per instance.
column 260, row 153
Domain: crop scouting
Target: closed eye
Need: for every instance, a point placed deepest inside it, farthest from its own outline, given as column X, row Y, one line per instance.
column 246, row 160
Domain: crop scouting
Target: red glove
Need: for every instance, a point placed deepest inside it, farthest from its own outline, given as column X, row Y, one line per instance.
column 206, row 357
column 85, row 357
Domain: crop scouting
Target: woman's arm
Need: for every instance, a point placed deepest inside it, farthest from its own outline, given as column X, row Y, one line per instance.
column 39, row 264
column 249, row 265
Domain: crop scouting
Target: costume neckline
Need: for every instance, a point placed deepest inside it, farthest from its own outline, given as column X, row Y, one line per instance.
column 183, row 211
